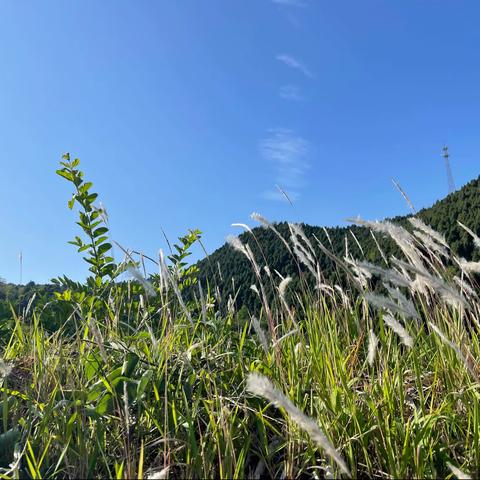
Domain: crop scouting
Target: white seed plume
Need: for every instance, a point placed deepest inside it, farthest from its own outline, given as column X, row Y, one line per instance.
column 255, row 289
column 159, row 474
column 362, row 274
column 328, row 237
column 282, row 287
column 202, row 302
column 263, row 221
column 263, row 387
column 406, row 305
column 135, row 273
column 430, row 244
column 242, row 225
column 455, row 348
column 5, row 369
column 379, row 248
column 387, row 303
column 283, row 337
column 166, row 274
column 470, row 267
column 357, row 242
column 237, row 244
column 261, row 334
column 390, row 275
column 372, row 347
column 396, row 326
column 439, row 238
column 260, row 219
column 476, row 238
column 345, row 298
column 465, row 286
column 449, row 294
column 458, row 473
column 304, row 259
column 403, row 238
column 297, row 230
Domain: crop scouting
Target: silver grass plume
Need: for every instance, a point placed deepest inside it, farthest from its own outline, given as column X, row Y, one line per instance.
column 449, row 294
column 387, row 303
column 389, row 275
column 328, row 237
column 159, row 474
column 455, row 348
column 458, row 473
column 260, row 333
column 476, row 238
column 357, row 242
column 5, row 369
column 465, row 286
column 202, row 301
column 242, row 225
column 283, row 337
column 135, row 273
column 372, row 347
column 282, row 287
column 261, row 386
column 430, row 244
column 438, row 237
column 469, row 267
column 297, row 230
column 362, row 274
column 405, row 303
column 166, row 274
column 396, row 326
column 255, row 289
column 345, row 298
column 236, row 244
column 263, row 221
column 379, row 248
column 403, row 238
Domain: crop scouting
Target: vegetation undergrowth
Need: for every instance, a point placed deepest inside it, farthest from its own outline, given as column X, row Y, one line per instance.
column 378, row 377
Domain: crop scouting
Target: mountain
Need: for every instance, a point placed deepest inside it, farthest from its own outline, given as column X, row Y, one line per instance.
column 231, row 272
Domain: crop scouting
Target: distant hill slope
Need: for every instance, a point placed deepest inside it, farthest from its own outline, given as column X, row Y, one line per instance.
column 232, row 273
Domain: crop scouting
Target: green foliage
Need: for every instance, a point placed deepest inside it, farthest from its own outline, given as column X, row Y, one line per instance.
column 133, row 389
column 187, row 275
column 92, row 221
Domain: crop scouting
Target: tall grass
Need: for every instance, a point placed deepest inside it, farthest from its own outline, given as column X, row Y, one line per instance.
column 151, row 386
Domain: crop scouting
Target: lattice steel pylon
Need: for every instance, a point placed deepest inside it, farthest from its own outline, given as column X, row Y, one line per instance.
column 451, row 183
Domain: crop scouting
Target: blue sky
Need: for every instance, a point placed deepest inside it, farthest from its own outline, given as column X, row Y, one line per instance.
column 188, row 113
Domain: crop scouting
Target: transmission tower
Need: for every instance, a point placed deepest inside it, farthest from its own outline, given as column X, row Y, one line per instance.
column 451, row 183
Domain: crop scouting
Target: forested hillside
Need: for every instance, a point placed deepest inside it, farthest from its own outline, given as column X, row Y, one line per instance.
column 231, row 272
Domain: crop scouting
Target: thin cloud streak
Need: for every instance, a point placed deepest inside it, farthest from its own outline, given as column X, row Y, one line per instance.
column 291, row 92
column 289, row 154
column 291, row 3
column 292, row 62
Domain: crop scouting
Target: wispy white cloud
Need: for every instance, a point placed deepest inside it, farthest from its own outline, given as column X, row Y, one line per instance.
column 291, row 92
column 291, row 3
column 292, row 62
column 289, row 155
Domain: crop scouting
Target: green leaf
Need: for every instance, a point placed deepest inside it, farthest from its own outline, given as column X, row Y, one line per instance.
column 100, row 231
column 104, row 248
column 105, row 405
column 65, row 174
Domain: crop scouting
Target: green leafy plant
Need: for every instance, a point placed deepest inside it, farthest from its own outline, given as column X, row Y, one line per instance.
column 93, row 222
column 186, row 275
